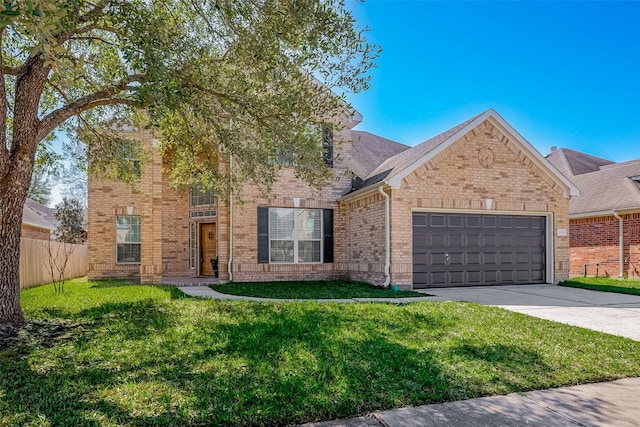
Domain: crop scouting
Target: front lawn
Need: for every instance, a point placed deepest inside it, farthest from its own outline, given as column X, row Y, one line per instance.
column 318, row 289
column 606, row 284
column 110, row 354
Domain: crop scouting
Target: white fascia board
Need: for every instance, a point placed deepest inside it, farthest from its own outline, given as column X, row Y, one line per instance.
column 535, row 154
column 608, row 212
column 361, row 192
column 396, row 180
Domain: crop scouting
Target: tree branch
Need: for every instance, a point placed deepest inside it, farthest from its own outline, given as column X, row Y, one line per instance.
column 10, row 71
column 105, row 96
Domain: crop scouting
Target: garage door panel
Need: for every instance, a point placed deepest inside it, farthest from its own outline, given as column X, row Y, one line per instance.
column 465, row 249
column 474, row 277
column 437, row 220
column 457, row 278
column 473, row 258
column 489, row 258
column 472, row 240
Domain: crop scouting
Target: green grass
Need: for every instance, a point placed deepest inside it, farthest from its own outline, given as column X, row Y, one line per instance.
column 106, row 354
column 606, row 284
column 319, row 289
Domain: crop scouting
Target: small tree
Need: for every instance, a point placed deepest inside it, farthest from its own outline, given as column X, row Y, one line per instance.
column 58, row 261
column 71, row 227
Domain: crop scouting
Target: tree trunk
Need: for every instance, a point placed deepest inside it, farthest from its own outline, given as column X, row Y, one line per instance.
column 11, row 206
column 15, row 178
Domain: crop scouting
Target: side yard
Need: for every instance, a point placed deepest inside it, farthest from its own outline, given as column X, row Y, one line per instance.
column 111, row 354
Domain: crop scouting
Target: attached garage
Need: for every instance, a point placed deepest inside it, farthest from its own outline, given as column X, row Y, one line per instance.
column 454, row 249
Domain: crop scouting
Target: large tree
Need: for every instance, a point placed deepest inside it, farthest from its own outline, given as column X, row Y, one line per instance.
column 216, row 78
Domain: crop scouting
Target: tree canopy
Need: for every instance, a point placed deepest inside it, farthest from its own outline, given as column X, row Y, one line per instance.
column 250, row 79
column 245, row 78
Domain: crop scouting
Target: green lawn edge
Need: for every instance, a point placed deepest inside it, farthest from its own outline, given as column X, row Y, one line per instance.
column 603, row 284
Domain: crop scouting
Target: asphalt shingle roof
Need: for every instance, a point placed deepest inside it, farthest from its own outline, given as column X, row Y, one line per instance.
column 370, row 150
column 571, row 162
column 609, row 188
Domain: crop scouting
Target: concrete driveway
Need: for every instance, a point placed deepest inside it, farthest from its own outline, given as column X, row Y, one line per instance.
column 616, row 314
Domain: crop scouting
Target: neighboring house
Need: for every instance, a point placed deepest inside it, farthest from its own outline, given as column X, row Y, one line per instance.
column 605, row 217
column 475, row 205
column 37, row 221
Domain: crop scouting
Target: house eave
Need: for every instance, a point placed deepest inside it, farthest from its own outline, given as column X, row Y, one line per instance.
column 361, row 192
column 607, row 212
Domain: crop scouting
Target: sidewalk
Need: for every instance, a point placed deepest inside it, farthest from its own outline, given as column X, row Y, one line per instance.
column 603, row 404
column 207, row 292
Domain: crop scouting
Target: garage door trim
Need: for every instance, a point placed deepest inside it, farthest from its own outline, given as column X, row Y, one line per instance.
column 549, row 230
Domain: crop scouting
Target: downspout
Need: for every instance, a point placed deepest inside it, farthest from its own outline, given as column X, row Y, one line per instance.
column 387, row 239
column 621, row 241
column 230, row 263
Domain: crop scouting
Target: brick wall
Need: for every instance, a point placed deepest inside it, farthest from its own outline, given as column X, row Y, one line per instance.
column 454, row 180
column 365, row 238
column 108, row 198
column 596, row 240
column 29, row 232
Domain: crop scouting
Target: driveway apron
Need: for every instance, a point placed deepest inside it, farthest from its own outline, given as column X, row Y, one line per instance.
column 616, row 314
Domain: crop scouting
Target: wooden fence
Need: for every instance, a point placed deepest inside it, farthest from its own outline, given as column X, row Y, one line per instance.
column 36, row 255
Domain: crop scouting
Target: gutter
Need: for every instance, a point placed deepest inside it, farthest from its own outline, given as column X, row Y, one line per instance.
column 621, row 241
column 230, row 263
column 387, row 238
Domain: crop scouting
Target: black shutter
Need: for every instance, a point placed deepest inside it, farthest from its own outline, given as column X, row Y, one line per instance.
column 263, row 235
column 327, row 145
column 328, row 234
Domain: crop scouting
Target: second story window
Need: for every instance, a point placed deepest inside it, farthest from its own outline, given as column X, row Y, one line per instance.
column 130, row 151
column 202, row 198
column 327, row 144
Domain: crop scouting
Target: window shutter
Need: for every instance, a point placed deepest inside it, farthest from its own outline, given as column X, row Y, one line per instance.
column 263, row 235
column 327, row 227
column 327, row 145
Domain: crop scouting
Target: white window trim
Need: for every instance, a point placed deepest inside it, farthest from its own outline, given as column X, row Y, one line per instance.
column 295, row 240
column 128, row 243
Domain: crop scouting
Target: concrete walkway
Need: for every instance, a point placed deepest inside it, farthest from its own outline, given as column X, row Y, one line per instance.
column 591, row 405
column 617, row 314
column 207, row 292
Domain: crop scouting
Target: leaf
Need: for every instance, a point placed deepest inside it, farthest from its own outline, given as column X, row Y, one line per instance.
column 10, row 12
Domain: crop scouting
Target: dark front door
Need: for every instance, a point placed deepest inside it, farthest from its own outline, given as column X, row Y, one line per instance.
column 470, row 250
column 208, row 248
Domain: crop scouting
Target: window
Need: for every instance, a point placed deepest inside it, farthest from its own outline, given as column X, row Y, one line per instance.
column 130, row 151
column 192, row 245
column 295, row 235
column 128, row 239
column 202, row 198
column 327, row 145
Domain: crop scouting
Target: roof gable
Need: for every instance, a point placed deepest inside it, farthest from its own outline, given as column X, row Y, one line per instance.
column 404, row 163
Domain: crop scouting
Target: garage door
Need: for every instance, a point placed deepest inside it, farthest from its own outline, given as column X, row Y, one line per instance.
column 471, row 250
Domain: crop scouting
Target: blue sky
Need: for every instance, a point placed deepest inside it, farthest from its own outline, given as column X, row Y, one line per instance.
column 561, row 73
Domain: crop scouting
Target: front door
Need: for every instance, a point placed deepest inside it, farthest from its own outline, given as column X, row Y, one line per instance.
column 208, row 248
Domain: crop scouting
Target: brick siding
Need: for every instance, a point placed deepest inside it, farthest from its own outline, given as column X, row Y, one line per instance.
column 596, row 240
